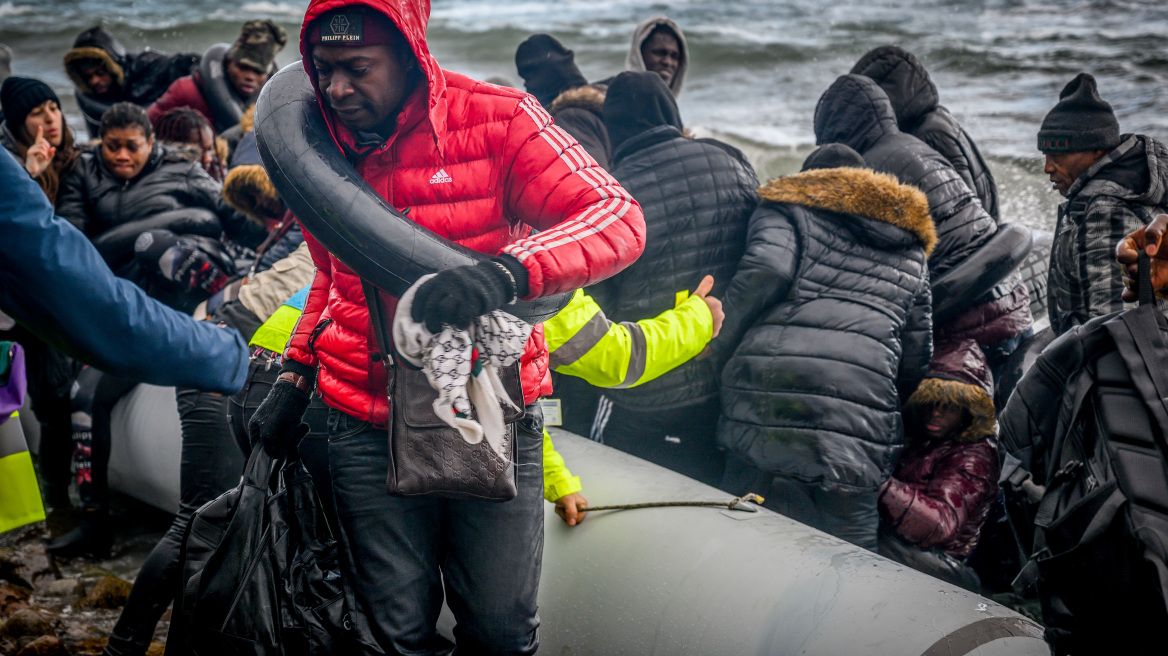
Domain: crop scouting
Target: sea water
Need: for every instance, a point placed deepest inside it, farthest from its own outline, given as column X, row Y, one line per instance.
column 757, row 67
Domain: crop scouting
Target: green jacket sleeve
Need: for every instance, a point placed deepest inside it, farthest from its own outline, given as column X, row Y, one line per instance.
column 584, row 343
column 558, row 482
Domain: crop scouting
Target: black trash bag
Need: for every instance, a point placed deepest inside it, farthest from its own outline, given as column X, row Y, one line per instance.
column 260, row 571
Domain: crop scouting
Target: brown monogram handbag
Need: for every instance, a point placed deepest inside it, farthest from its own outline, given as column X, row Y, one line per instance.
column 427, row 456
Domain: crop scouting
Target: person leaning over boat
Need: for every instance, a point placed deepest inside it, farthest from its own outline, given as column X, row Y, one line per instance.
column 697, row 195
column 1114, row 185
column 918, row 112
column 103, row 73
column 247, row 66
column 856, row 111
column 550, row 74
column 828, row 328
column 485, row 166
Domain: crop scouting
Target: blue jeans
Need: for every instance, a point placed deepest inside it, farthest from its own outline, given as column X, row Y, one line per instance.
column 399, row 553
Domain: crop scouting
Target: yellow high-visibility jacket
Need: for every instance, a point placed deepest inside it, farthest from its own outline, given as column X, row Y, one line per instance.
column 583, row 343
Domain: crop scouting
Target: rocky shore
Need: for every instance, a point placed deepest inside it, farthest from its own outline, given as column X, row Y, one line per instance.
column 58, row 607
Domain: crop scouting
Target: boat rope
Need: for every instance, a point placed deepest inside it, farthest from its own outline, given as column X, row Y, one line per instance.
column 733, row 504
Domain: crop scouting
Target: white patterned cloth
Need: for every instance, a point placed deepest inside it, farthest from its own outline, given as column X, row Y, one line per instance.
column 467, row 388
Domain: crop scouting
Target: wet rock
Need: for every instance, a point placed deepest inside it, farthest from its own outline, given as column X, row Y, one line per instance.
column 44, row 646
column 27, row 565
column 27, row 622
column 109, row 592
column 12, row 599
column 89, row 647
column 68, row 588
column 156, row 649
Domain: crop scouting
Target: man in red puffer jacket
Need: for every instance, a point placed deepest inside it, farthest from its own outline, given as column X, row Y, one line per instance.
column 483, row 166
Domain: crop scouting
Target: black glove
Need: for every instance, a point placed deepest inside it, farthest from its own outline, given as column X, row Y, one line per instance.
column 277, row 422
column 456, row 296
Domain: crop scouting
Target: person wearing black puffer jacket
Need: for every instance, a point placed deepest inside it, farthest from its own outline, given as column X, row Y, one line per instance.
column 915, row 102
column 697, row 195
column 827, row 330
column 974, row 295
column 129, row 192
column 104, row 73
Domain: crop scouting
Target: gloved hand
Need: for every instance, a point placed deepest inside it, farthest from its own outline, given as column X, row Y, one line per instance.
column 456, row 296
column 277, row 422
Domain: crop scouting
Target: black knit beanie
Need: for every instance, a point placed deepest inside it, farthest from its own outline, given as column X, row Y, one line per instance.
column 1080, row 121
column 547, row 68
column 833, row 156
column 19, row 96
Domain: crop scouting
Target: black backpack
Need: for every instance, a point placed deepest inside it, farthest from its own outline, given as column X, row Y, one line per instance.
column 260, row 571
column 1083, row 438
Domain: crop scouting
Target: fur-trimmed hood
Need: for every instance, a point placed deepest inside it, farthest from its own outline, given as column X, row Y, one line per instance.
column 861, row 192
column 590, row 97
column 249, row 190
column 96, row 43
column 959, row 377
column 956, row 394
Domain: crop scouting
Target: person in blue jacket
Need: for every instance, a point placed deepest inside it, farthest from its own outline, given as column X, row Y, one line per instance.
column 54, row 283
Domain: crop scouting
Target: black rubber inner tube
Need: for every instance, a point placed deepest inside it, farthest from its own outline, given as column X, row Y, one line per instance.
column 116, row 245
column 226, row 109
column 341, row 210
column 976, row 275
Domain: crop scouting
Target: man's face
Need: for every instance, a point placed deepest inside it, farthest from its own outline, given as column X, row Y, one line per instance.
column 941, row 421
column 246, row 80
column 97, row 77
column 1065, row 168
column 365, row 85
column 662, row 55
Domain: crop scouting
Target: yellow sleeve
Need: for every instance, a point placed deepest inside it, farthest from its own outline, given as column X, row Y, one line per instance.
column 558, row 482
column 584, row 343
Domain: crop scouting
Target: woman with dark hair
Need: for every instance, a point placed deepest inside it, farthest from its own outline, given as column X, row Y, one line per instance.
column 35, row 132
column 183, row 127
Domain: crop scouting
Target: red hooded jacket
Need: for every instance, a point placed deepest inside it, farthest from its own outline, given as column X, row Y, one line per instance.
column 478, row 164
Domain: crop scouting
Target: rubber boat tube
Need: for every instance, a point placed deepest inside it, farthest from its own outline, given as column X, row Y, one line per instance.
column 226, row 109
column 341, row 210
column 960, row 287
column 118, row 243
column 708, row 581
column 675, row 580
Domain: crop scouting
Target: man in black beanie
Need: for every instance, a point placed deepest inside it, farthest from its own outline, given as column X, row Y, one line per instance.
column 550, row 74
column 1114, row 184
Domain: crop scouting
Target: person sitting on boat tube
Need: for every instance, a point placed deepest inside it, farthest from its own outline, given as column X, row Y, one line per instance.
column 483, row 166
column 246, row 66
column 104, row 73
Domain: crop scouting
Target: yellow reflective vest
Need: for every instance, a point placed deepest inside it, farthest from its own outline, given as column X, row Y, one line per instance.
column 582, row 342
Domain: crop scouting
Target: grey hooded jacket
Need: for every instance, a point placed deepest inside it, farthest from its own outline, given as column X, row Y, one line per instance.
column 635, row 62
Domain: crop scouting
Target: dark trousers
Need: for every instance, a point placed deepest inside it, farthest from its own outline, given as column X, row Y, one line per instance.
column 211, row 465
column 92, row 401
column 399, row 553
column 847, row 514
column 681, row 439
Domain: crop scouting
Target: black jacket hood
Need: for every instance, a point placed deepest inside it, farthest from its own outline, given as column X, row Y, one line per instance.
column 1135, row 172
column 854, row 111
column 636, row 103
column 904, row 78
